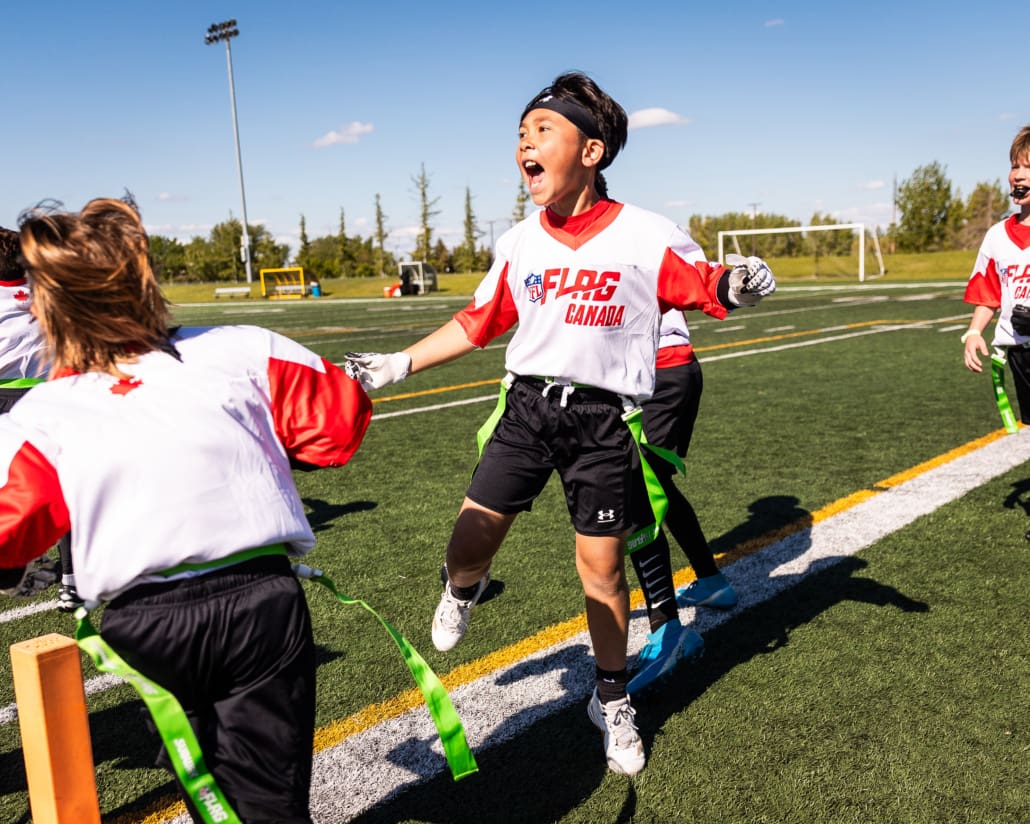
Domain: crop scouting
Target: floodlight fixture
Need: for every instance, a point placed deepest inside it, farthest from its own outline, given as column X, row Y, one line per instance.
column 217, row 33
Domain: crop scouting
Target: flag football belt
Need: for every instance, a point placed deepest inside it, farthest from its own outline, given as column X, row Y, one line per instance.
column 174, row 727
column 998, row 379
column 20, row 383
column 631, row 415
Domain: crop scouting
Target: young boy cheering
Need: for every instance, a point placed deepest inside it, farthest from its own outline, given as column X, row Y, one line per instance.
column 586, row 279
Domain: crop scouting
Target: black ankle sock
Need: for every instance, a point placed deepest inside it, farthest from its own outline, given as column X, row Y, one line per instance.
column 611, row 684
column 464, row 593
column 662, row 614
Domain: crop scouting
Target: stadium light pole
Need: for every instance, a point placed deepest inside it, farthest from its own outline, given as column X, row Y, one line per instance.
column 754, row 222
column 219, row 32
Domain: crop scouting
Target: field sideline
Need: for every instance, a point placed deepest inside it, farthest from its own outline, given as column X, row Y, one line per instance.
column 824, row 696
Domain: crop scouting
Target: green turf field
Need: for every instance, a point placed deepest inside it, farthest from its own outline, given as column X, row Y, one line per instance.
column 888, row 687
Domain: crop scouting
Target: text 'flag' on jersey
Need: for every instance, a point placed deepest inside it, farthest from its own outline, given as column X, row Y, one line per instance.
column 588, row 294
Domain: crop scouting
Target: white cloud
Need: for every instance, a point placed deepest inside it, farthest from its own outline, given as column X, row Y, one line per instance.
column 350, row 133
column 678, row 204
column 872, row 184
column 169, row 197
column 644, row 118
column 776, row 21
column 1006, row 116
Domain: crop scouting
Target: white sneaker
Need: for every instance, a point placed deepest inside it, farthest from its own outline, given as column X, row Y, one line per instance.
column 451, row 618
column 622, row 745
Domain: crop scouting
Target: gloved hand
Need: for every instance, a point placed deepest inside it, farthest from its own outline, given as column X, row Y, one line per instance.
column 751, row 279
column 37, row 576
column 374, row 370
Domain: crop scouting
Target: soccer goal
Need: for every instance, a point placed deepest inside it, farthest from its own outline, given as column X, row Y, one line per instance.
column 825, row 250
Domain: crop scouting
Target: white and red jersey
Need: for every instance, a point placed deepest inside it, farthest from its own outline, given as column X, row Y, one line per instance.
column 187, row 462
column 674, row 346
column 588, row 293
column 1001, row 276
column 23, row 352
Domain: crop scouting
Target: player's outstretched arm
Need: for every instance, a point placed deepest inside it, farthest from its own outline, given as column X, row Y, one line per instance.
column 750, row 280
column 374, row 370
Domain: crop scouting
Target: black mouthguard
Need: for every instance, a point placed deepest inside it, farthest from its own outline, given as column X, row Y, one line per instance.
column 1019, row 192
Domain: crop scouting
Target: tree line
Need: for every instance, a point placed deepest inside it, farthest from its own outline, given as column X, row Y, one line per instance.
column 932, row 216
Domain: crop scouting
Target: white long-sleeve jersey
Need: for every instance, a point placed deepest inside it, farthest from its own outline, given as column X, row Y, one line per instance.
column 187, row 462
column 23, row 352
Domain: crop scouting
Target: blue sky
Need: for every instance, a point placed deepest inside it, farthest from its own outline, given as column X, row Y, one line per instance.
column 795, row 106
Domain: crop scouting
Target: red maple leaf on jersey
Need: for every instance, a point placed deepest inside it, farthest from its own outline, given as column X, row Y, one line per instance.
column 21, row 294
column 124, row 387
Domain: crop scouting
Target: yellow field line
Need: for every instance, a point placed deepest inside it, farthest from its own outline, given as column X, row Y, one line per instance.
column 749, row 342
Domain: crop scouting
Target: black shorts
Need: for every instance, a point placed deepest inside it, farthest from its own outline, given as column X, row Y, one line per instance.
column 586, row 441
column 234, row 646
column 1018, row 358
column 10, row 396
column 668, row 418
column 670, row 413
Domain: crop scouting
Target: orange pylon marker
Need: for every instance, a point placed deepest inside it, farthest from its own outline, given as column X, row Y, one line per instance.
column 55, row 731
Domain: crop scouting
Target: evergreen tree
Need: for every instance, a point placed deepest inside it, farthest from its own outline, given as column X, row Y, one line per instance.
column 379, row 261
column 521, row 200
column 426, row 213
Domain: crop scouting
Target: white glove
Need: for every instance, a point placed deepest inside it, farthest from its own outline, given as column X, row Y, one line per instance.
column 374, row 370
column 38, row 575
column 751, row 279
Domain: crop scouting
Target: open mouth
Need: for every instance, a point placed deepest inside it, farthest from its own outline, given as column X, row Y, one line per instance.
column 534, row 173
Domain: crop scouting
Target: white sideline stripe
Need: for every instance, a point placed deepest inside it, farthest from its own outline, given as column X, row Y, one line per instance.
column 25, row 611
column 368, row 768
column 384, row 415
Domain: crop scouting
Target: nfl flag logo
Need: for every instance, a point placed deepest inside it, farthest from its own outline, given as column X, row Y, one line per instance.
column 534, row 283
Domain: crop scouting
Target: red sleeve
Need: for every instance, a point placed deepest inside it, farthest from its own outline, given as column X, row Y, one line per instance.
column 482, row 323
column 33, row 513
column 984, row 288
column 683, row 285
column 320, row 415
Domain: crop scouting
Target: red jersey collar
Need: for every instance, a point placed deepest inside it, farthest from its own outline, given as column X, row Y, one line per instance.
column 576, row 230
column 1017, row 232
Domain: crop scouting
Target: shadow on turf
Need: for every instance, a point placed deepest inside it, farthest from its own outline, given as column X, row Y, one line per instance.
column 770, row 514
column 549, row 769
column 322, row 514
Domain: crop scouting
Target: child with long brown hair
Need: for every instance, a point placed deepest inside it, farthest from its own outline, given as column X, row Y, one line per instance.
column 167, row 452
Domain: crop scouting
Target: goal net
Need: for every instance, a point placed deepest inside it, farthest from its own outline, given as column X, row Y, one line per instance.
column 845, row 250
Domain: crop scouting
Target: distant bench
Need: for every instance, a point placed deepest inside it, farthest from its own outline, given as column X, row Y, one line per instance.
column 232, row 291
column 290, row 289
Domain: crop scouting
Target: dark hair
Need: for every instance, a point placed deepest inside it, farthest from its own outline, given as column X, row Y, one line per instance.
column 10, row 256
column 611, row 119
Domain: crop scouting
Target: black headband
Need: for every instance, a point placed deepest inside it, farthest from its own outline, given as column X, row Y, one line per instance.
column 578, row 115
